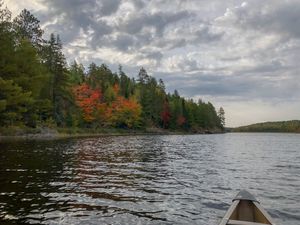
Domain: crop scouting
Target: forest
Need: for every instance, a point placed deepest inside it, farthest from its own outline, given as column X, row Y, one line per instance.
column 292, row 126
column 39, row 88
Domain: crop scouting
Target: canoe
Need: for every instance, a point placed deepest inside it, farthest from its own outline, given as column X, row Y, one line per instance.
column 246, row 210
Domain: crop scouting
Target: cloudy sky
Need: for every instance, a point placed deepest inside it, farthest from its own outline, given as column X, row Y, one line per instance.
column 242, row 55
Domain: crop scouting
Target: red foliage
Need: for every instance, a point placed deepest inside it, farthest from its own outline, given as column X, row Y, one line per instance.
column 120, row 112
column 88, row 100
column 166, row 115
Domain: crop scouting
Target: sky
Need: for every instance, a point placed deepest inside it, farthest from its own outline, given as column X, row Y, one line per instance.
column 241, row 55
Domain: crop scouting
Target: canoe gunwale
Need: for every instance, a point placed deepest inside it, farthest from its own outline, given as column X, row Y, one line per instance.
column 245, row 196
column 264, row 212
column 229, row 212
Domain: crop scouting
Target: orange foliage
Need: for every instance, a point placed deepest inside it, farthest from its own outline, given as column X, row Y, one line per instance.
column 116, row 89
column 124, row 112
column 88, row 100
column 121, row 112
column 180, row 120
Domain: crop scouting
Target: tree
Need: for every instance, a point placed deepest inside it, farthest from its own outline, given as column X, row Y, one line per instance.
column 28, row 27
column 110, row 95
column 89, row 101
column 28, row 72
column 7, row 44
column 166, row 114
column 13, row 102
column 77, row 75
column 37, row 85
column 161, row 85
column 124, row 113
column 5, row 17
column 58, row 84
column 143, row 76
column 126, row 85
column 221, row 115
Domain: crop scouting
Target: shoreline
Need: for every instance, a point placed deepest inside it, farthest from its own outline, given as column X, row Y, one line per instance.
column 60, row 133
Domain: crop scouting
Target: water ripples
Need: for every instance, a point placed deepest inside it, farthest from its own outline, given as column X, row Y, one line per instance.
column 147, row 179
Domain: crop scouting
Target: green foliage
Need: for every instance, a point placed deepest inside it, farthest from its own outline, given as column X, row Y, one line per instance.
column 58, row 87
column 127, row 86
column 28, row 72
column 13, row 102
column 76, row 73
column 38, row 88
column 27, row 27
column 109, row 95
column 221, row 115
column 282, row 126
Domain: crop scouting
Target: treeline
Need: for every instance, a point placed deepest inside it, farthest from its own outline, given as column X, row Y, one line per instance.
column 292, row 126
column 39, row 88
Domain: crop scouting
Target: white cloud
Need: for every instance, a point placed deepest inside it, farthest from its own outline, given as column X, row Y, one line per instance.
column 239, row 54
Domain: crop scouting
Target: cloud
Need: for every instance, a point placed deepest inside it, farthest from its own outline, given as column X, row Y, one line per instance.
column 282, row 17
column 234, row 52
column 109, row 7
column 158, row 20
column 70, row 18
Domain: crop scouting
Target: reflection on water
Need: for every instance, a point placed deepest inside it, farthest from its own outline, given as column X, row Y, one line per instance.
column 147, row 179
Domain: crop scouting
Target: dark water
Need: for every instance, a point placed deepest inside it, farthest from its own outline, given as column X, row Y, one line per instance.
column 147, row 179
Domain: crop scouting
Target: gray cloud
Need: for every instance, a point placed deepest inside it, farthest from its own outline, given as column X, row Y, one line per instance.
column 139, row 4
column 109, row 7
column 76, row 15
column 205, row 35
column 233, row 49
column 281, row 17
column 158, row 21
column 244, row 88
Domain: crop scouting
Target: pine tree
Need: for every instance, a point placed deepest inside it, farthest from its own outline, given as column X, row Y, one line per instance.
column 27, row 26
column 59, row 78
column 13, row 103
column 77, row 75
column 221, row 115
column 143, row 77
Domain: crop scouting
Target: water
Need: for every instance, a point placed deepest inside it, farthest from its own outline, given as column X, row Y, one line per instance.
column 147, row 179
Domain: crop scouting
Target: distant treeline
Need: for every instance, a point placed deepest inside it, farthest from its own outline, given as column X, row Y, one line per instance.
column 292, row 126
column 38, row 88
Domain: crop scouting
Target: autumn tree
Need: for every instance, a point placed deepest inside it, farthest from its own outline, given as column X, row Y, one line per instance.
column 89, row 101
column 124, row 113
column 166, row 114
column 37, row 85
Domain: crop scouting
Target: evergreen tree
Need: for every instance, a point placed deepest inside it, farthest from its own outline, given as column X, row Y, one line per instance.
column 77, row 75
column 126, row 85
column 221, row 115
column 143, row 77
column 7, row 43
column 28, row 27
column 59, row 78
column 36, row 85
column 13, row 103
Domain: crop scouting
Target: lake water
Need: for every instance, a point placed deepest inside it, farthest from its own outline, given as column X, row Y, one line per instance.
column 177, row 179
